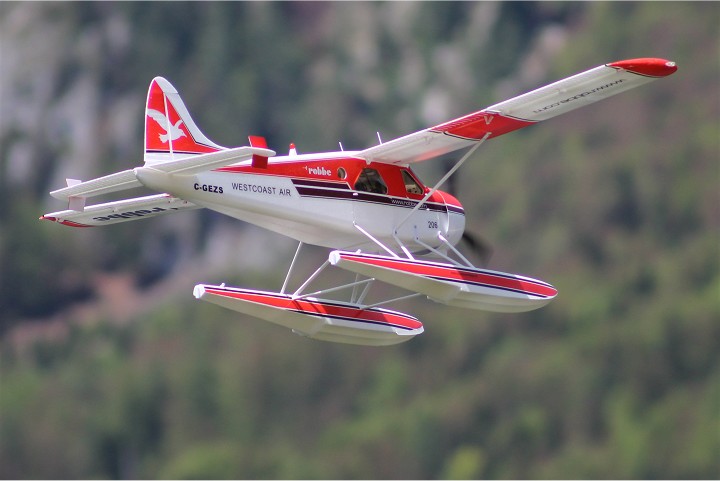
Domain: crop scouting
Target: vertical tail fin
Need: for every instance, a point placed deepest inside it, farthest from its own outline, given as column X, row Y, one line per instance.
column 170, row 132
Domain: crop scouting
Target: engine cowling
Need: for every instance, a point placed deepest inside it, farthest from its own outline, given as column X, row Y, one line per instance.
column 454, row 224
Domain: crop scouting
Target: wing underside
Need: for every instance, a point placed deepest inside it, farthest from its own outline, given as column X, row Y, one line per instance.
column 121, row 211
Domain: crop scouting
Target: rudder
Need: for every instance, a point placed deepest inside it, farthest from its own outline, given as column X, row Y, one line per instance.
column 170, row 132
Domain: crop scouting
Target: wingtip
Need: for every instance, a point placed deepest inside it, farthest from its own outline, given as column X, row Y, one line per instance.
column 199, row 291
column 649, row 67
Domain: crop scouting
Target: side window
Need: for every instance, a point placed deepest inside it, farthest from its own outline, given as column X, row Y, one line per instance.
column 411, row 185
column 370, row 181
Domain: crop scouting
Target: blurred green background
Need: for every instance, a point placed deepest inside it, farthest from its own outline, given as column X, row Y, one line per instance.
column 110, row 369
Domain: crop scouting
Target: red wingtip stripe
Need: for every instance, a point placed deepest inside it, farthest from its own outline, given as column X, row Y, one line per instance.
column 650, row 67
column 70, row 223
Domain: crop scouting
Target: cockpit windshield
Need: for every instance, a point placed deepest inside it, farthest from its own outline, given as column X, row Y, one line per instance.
column 411, row 185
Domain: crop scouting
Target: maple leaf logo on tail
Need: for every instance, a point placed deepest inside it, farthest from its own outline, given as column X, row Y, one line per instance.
column 172, row 132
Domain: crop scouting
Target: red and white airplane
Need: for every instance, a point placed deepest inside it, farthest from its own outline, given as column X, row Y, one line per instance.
column 368, row 206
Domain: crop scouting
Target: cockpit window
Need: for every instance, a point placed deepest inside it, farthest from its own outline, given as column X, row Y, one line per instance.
column 371, row 181
column 411, row 185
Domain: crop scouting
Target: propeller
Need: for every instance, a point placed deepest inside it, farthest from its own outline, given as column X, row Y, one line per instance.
column 480, row 247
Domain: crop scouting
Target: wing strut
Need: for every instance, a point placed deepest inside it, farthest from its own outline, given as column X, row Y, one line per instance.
column 442, row 181
column 395, row 299
column 310, row 279
column 369, row 236
column 297, row 296
column 445, row 256
column 292, row 264
column 338, row 288
column 452, row 248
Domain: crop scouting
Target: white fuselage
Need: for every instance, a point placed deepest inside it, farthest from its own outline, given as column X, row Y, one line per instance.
column 302, row 197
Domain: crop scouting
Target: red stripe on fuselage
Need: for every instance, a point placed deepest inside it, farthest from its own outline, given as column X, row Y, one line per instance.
column 343, row 173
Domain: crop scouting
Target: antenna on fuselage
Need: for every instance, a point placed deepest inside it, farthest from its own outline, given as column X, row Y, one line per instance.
column 379, row 139
column 341, row 147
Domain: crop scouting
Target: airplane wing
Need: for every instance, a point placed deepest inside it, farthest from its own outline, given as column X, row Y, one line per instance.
column 527, row 109
column 121, row 211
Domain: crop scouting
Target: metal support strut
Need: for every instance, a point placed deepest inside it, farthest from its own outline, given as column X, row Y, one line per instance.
column 292, row 264
column 369, row 236
column 310, row 279
column 442, row 181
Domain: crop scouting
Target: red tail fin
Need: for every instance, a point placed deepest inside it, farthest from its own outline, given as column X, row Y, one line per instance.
column 169, row 129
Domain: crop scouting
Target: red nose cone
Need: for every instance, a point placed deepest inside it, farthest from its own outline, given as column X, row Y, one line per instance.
column 448, row 199
column 650, row 67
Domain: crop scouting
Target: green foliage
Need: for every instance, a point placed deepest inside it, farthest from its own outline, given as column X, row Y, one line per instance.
column 211, row 461
column 618, row 378
column 32, row 251
column 467, row 462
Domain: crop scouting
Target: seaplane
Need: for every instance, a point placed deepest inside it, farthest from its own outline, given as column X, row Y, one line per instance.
column 379, row 220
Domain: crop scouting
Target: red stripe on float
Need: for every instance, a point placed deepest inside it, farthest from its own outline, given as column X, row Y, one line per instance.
column 321, row 308
column 460, row 275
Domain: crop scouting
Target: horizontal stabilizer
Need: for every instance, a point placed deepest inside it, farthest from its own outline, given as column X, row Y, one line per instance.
column 121, row 211
column 186, row 165
column 103, row 185
column 200, row 163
